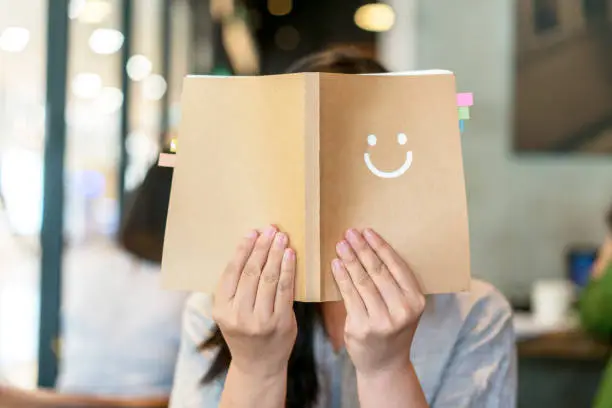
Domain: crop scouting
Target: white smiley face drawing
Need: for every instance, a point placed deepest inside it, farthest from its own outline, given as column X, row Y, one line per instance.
column 401, row 140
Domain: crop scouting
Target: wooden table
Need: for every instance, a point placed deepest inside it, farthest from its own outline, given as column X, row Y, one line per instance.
column 574, row 345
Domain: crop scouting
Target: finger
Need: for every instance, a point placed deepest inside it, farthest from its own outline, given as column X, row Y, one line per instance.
column 231, row 275
column 398, row 268
column 285, row 290
column 352, row 300
column 249, row 279
column 266, row 293
column 361, row 280
column 376, row 270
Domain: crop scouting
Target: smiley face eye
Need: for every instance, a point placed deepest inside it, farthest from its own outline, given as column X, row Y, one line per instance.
column 402, row 138
column 372, row 140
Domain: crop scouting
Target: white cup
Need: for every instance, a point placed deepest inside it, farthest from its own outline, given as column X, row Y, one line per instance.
column 551, row 301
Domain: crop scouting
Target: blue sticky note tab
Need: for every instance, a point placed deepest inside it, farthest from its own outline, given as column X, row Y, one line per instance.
column 461, row 126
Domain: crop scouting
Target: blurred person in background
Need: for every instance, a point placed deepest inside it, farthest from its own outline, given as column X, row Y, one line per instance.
column 120, row 330
column 252, row 346
column 596, row 308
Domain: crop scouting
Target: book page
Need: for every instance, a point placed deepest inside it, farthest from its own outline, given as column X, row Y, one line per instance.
column 391, row 160
column 241, row 166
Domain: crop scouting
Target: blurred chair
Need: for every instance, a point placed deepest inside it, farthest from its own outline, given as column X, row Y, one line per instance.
column 11, row 397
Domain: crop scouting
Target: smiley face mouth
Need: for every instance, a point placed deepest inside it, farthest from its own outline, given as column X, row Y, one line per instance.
column 388, row 174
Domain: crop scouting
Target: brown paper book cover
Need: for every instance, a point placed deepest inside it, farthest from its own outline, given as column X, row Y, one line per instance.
column 316, row 154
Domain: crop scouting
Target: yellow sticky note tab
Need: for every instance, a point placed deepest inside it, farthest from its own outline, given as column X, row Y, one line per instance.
column 464, row 112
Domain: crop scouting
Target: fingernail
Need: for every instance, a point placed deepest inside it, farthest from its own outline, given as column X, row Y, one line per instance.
column 289, row 255
column 369, row 233
column 270, row 231
column 252, row 234
column 338, row 271
column 352, row 234
column 280, row 240
column 343, row 248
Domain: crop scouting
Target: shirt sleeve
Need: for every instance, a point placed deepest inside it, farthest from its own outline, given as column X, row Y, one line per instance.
column 482, row 369
column 192, row 365
column 596, row 305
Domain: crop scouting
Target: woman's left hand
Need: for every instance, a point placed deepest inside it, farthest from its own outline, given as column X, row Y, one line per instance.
column 383, row 301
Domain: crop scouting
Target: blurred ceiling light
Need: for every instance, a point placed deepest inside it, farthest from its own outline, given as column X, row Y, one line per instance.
column 86, row 85
column 95, row 11
column 240, row 47
column 76, row 8
column 139, row 145
column 154, row 87
column 139, row 67
column 376, row 17
column 280, row 7
column 287, row 38
column 14, row 39
column 110, row 100
column 21, row 185
column 142, row 148
column 105, row 41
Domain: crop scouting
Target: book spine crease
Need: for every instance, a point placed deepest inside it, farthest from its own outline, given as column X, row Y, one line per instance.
column 313, row 281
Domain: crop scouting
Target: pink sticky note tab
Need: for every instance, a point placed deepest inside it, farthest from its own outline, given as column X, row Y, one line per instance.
column 166, row 160
column 465, row 99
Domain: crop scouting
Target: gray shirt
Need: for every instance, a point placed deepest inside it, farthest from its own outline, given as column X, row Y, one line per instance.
column 463, row 353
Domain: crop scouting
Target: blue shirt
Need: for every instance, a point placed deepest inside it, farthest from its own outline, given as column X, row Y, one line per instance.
column 463, row 353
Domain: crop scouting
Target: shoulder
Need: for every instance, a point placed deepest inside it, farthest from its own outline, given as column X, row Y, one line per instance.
column 465, row 349
column 198, row 323
column 480, row 312
column 193, row 364
column 484, row 300
column 488, row 318
column 200, row 304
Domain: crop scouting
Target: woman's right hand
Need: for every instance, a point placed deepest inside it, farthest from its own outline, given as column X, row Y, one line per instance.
column 253, row 304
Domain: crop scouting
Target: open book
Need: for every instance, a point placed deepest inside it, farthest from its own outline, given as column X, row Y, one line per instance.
column 315, row 154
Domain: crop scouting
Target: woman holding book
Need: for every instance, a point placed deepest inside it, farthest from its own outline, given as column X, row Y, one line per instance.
column 384, row 345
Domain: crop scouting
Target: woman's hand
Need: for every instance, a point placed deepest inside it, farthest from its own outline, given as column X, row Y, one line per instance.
column 383, row 303
column 383, row 306
column 253, row 305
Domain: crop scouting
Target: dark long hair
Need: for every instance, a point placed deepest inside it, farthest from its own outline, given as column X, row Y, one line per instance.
column 302, row 384
column 144, row 222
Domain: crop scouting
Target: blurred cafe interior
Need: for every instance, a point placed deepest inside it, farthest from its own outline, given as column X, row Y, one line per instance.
column 90, row 95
